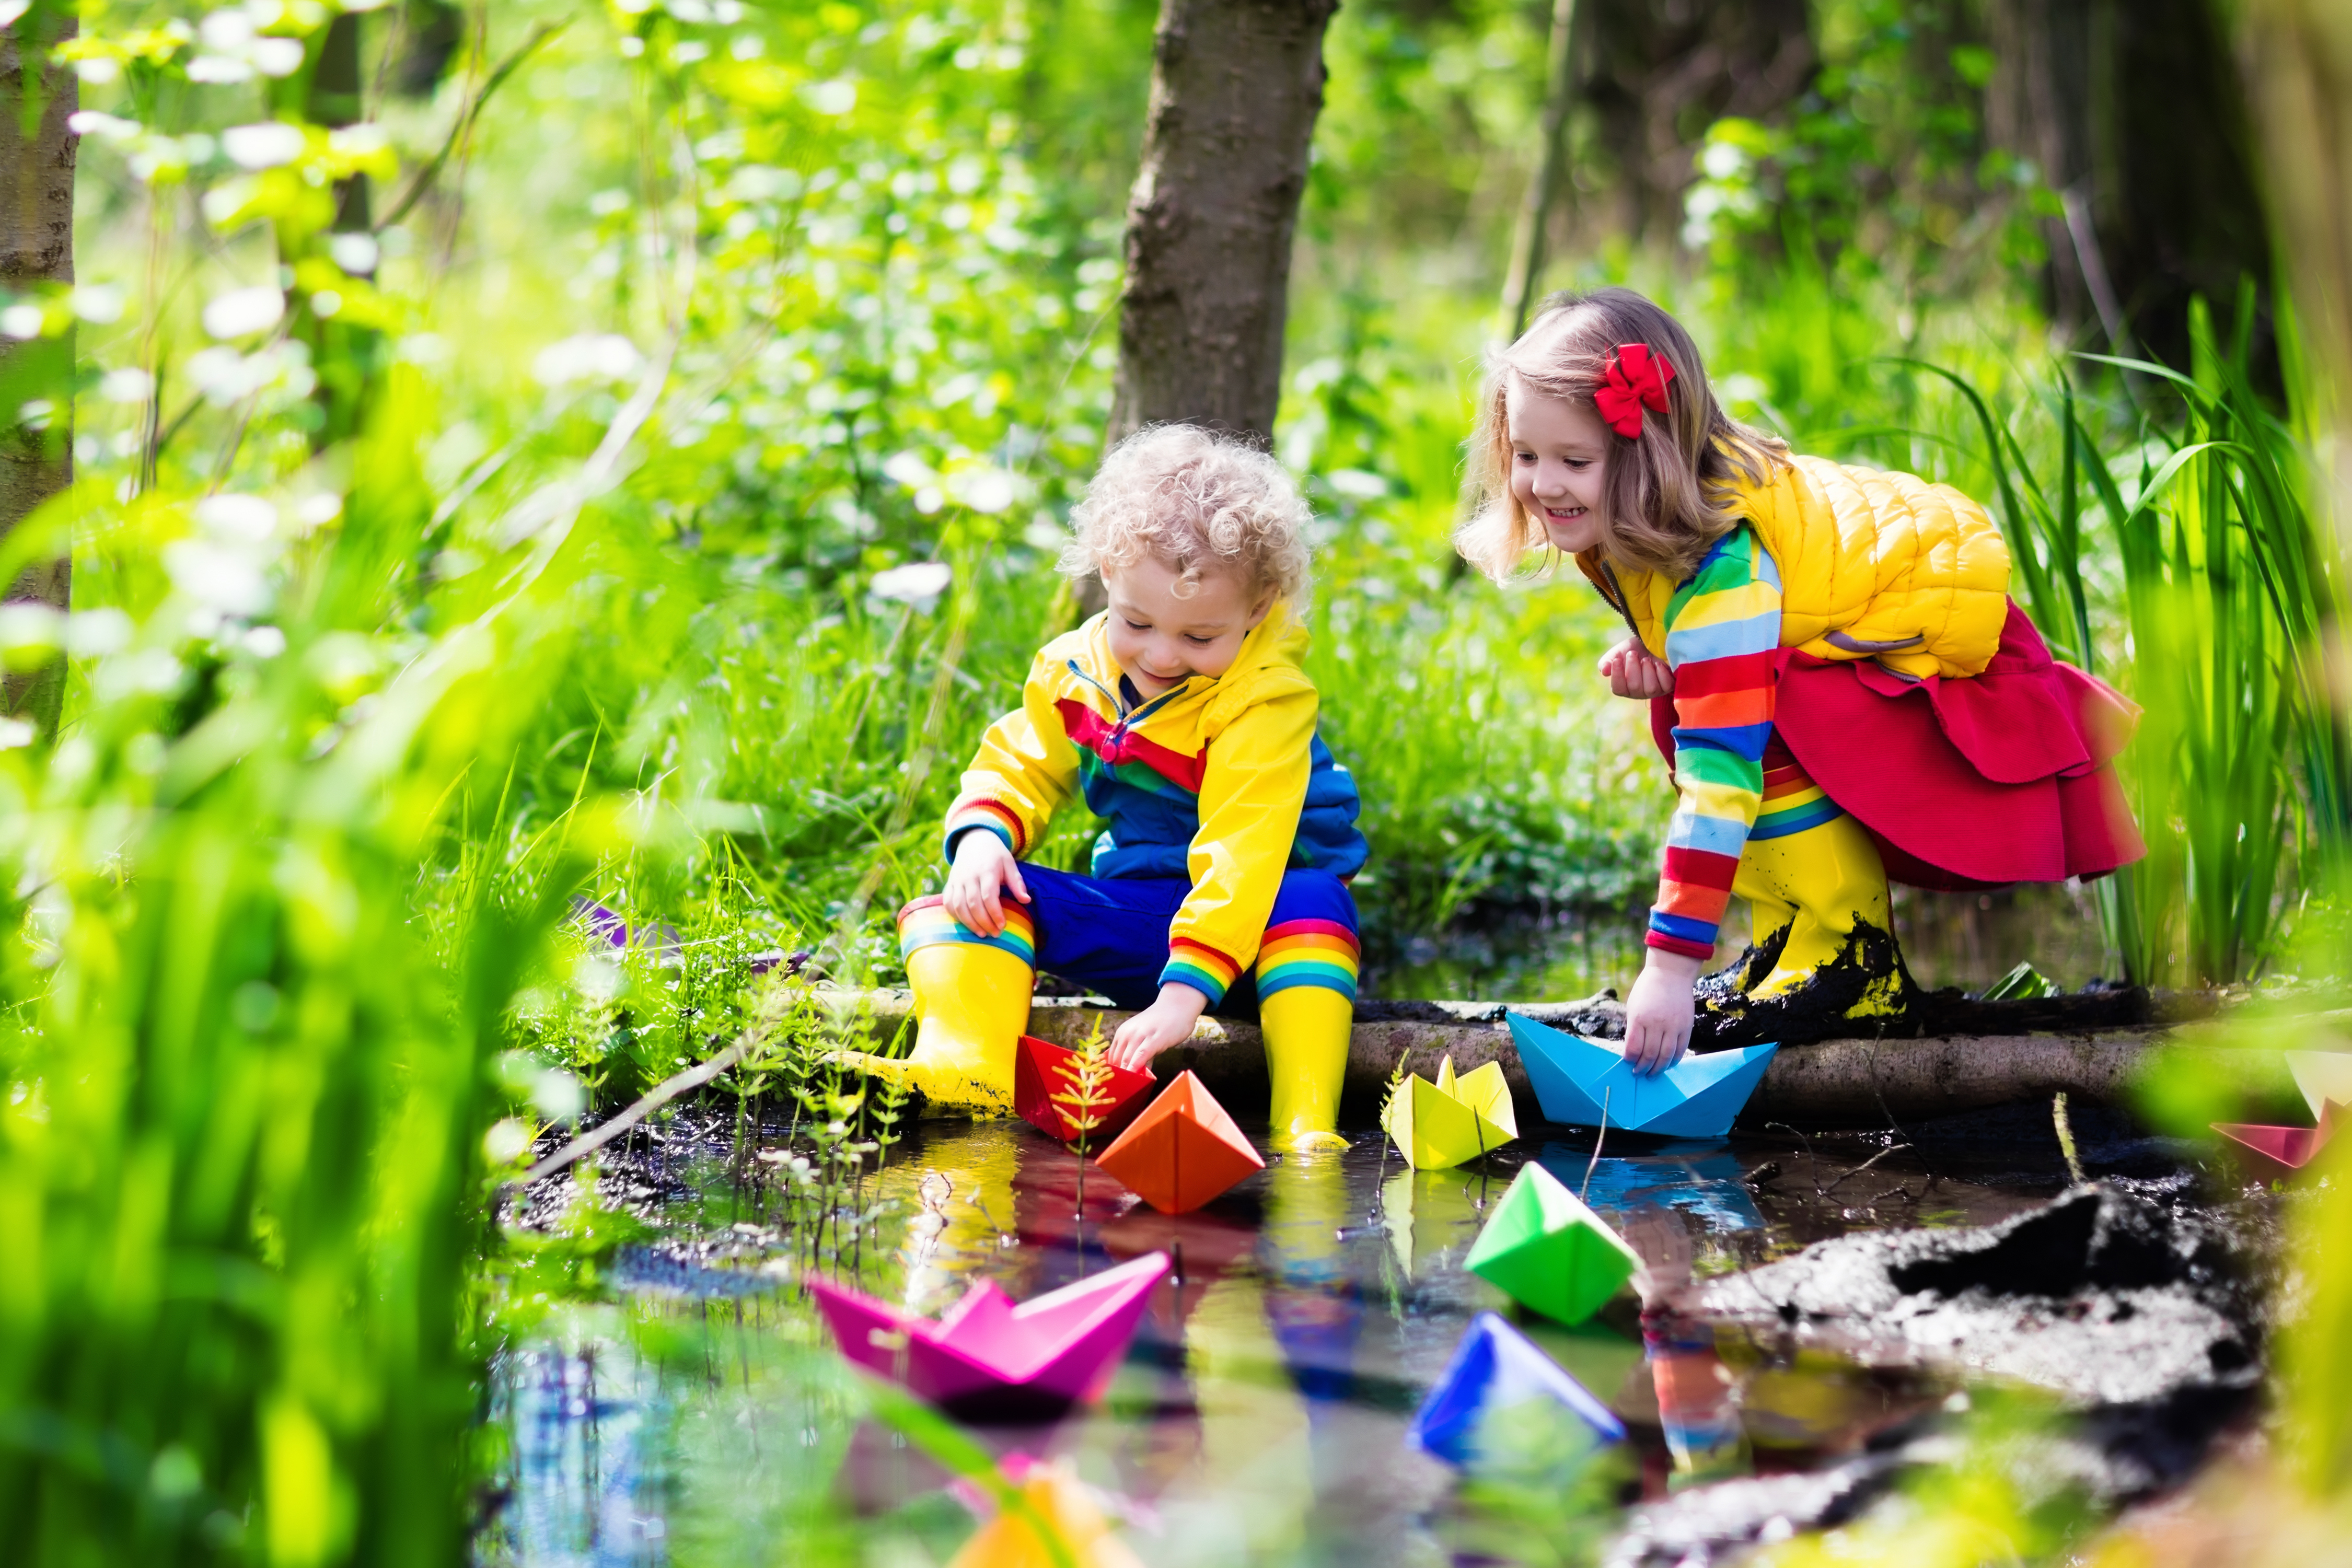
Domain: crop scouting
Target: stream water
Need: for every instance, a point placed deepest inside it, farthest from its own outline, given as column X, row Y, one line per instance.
column 695, row 1414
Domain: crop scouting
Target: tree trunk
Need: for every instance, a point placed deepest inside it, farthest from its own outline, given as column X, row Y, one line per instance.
column 2131, row 111
column 1543, row 185
column 36, row 198
column 1235, row 87
column 1657, row 75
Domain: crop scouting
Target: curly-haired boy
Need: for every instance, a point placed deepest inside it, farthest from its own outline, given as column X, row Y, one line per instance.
column 1184, row 717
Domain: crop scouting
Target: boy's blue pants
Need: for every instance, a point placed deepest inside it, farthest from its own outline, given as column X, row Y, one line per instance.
column 1110, row 934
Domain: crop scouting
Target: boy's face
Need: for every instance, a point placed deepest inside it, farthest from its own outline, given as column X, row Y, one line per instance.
column 1559, row 457
column 1160, row 637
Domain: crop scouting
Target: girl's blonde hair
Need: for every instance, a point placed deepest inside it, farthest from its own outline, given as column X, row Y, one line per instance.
column 1670, row 492
column 1199, row 503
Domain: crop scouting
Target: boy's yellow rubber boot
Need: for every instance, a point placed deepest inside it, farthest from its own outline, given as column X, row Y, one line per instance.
column 1306, row 1029
column 1819, row 885
column 971, row 1002
column 1306, row 1009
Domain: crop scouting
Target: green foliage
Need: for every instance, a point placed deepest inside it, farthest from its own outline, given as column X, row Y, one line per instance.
column 650, row 505
column 1880, row 169
column 2229, row 596
column 248, row 1088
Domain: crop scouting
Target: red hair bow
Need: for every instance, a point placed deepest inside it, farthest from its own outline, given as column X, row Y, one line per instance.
column 1635, row 376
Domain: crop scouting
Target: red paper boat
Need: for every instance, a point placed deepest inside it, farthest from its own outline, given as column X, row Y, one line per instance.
column 1184, row 1151
column 2278, row 1151
column 1042, row 1069
column 988, row 1360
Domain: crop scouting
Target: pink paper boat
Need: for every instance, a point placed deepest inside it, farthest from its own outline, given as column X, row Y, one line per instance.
column 2279, row 1152
column 988, row 1360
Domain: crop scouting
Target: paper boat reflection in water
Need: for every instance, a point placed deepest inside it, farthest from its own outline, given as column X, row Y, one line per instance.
column 987, row 1359
column 1581, row 1082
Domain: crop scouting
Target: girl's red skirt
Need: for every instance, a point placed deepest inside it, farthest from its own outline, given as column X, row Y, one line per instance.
column 1999, row 777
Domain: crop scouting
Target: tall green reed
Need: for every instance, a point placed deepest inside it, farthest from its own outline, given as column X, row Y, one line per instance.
column 2239, row 772
column 246, row 1087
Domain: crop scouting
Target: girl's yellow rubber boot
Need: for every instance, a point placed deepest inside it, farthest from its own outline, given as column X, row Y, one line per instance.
column 1821, row 886
column 971, row 1002
column 1306, row 1009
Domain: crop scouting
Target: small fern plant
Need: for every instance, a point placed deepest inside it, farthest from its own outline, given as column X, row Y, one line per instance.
column 1086, row 1099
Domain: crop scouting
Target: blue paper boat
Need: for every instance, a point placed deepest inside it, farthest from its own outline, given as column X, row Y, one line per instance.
column 1494, row 1367
column 1575, row 1079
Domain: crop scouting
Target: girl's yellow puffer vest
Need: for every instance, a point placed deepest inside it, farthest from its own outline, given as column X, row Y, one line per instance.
column 1873, row 565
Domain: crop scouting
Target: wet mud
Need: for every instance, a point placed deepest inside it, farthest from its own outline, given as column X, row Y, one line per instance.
column 2141, row 1316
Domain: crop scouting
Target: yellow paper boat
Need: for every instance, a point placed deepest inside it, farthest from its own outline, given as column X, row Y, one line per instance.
column 1454, row 1120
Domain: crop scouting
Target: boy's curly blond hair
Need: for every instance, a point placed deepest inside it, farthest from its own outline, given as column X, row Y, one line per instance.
column 1199, row 503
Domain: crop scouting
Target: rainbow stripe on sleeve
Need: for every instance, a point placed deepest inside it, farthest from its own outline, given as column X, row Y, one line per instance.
column 926, row 922
column 1200, row 966
column 1307, row 952
column 978, row 811
column 1723, row 628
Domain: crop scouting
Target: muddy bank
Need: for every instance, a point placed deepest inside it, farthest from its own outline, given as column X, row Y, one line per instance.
column 2139, row 1318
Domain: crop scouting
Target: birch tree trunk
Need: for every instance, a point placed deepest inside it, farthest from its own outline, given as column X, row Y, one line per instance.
column 1236, row 87
column 36, row 197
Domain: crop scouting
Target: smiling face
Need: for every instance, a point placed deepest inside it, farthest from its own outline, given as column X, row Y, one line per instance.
column 1560, row 464
column 1160, row 637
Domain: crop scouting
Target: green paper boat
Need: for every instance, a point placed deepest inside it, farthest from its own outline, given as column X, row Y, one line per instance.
column 1548, row 1252
column 1454, row 1119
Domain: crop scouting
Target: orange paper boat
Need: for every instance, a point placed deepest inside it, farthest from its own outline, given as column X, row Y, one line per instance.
column 2279, row 1152
column 1181, row 1152
column 1041, row 1069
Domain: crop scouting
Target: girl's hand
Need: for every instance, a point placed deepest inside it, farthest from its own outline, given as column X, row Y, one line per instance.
column 984, row 873
column 1632, row 671
column 1156, row 1027
column 1658, row 1013
column 1656, row 1234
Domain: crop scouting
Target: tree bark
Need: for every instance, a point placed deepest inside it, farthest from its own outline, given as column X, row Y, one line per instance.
column 1543, row 185
column 36, row 200
column 2132, row 113
column 1236, row 87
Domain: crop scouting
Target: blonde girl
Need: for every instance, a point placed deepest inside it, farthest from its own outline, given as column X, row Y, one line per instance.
column 1835, row 668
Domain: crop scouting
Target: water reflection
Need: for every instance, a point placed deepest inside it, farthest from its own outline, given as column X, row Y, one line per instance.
column 1261, row 1412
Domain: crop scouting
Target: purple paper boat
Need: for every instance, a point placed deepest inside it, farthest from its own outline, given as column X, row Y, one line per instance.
column 988, row 1360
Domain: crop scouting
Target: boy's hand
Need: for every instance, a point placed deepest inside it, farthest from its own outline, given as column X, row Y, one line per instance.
column 1632, row 671
column 1156, row 1027
column 984, row 873
column 1658, row 1013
